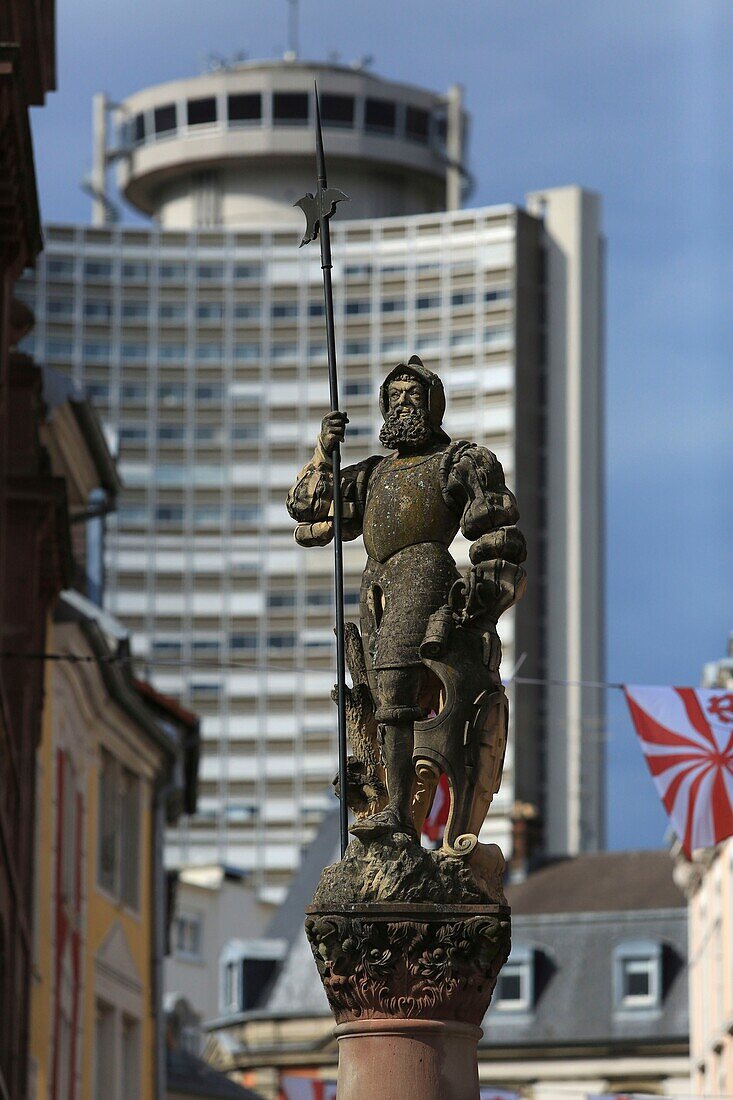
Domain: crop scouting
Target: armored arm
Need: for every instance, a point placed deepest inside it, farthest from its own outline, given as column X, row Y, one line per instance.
column 310, row 500
column 473, row 485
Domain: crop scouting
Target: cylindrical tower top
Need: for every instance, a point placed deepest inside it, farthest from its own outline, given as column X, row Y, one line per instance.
column 235, row 146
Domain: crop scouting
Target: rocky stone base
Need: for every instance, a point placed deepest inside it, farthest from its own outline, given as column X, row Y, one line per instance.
column 396, row 868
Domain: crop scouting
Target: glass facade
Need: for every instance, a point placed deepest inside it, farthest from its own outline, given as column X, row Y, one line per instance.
column 204, row 353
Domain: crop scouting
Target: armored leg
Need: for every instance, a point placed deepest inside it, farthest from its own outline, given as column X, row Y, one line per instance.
column 397, row 695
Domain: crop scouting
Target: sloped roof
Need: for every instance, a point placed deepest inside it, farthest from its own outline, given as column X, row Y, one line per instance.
column 604, row 882
column 192, row 1076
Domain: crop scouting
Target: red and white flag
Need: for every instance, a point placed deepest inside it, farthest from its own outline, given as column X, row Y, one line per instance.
column 687, row 739
column 434, row 824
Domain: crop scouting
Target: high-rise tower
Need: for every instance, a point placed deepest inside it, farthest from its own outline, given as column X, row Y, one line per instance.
column 201, row 338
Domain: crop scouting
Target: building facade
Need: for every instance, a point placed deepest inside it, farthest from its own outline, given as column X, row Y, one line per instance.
column 708, row 881
column 35, row 558
column 111, row 770
column 212, row 906
column 202, row 341
column 592, row 1002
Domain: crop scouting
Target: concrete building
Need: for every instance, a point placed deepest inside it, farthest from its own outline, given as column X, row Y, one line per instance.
column 592, row 1002
column 202, row 340
column 708, row 882
column 216, row 913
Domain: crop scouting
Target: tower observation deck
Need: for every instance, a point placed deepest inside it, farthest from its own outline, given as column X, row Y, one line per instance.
column 229, row 148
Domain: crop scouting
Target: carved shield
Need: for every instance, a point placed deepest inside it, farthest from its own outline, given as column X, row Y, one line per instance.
column 465, row 738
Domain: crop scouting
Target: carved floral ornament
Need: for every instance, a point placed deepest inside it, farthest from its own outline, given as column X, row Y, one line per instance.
column 433, row 968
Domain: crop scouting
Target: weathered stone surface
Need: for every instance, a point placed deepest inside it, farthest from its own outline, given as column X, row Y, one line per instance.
column 394, row 868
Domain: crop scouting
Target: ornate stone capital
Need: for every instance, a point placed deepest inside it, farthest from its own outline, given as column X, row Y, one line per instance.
column 415, row 961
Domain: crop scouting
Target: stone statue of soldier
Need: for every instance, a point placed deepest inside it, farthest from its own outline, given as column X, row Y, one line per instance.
column 414, row 604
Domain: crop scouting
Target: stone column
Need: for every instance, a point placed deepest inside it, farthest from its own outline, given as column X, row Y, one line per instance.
column 408, row 985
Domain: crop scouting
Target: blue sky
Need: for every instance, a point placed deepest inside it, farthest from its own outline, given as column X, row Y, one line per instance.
column 631, row 98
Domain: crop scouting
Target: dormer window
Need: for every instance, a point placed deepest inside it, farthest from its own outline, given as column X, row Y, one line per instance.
column 515, row 987
column 638, row 974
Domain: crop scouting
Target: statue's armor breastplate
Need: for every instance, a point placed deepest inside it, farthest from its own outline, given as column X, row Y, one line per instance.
column 405, row 506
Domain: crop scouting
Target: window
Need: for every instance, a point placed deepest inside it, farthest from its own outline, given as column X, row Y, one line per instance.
column 135, row 311
column 281, row 641
column 290, row 108
column 119, row 830
column 133, row 433
column 245, row 514
column 164, row 119
column 134, row 393
column 354, row 389
column 201, row 111
column 356, row 347
column 245, row 968
column 393, row 305
column 187, row 936
column 281, row 599
column 638, row 974
column 172, row 311
column 96, row 351
column 497, row 294
column 243, row 432
column 171, row 433
column 60, row 307
column 97, row 269
column 97, row 309
column 515, row 986
column 105, row 1076
column 134, row 353
column 59, row 349
column 281, row 310
column 138, row 129
column 246, row 353
column 208, row 395
column 169, row 514
column 337, row 110
column 247, row 642
column 208, row 353
column 136, row 272
column 60, row 267
column 210, row 272
column 319, row 598
column 462, row 298
column 246, row 107
column 380, row 116
column 316, row 309
column 284, row 351
column 497, row 337
column 428, row 302
column 356, row 307
column 417, row 122
column 171, row 353
column 246, row 311
column 247, row 271
column 172, row 273
column 130, row 1056
column 209, row 311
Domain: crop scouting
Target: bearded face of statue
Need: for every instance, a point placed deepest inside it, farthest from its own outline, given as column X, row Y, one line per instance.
column 407, row 423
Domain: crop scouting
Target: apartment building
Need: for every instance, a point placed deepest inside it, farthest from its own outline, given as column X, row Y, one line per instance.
column 201, row 340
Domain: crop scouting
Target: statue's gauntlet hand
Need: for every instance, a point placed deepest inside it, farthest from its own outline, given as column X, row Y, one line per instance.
column 333, row 430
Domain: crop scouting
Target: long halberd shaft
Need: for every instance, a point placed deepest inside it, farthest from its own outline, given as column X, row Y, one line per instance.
column 338, row 561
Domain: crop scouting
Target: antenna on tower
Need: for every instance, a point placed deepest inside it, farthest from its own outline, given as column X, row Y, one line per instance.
column 293, row 44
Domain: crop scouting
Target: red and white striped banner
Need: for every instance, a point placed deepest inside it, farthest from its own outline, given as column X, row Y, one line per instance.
column 687, row 738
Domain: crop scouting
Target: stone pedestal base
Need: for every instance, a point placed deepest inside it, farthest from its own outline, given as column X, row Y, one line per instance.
column 407, row 1060
column 409, row 986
